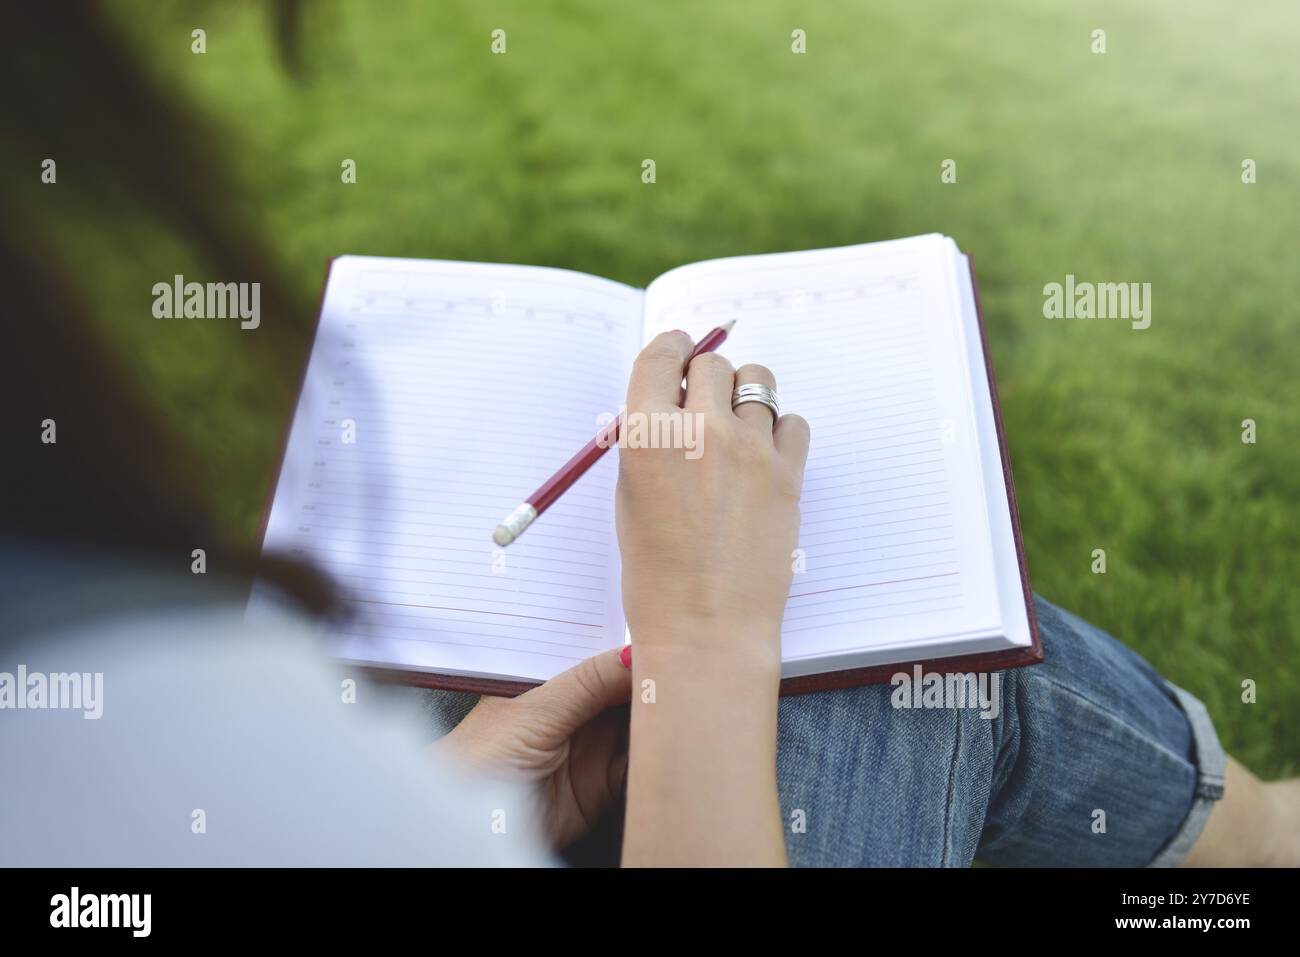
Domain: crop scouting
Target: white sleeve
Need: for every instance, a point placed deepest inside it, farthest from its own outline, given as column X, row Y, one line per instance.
column 221, row 744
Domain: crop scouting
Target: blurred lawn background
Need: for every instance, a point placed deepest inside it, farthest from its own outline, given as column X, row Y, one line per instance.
column 1117, row 167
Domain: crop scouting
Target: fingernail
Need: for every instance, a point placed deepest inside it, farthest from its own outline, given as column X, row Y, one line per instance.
column 683, row 332
column 625, row 657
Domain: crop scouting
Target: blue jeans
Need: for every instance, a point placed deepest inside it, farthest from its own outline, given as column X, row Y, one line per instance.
column 1092, row 759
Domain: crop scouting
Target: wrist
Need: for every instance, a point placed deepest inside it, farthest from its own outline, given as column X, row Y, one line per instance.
column 731, row 651
column 703, row 748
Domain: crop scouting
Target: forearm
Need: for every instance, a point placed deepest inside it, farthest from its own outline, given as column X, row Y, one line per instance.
column 702, row 773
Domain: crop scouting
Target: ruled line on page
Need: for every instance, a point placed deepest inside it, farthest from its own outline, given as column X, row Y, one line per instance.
column 864, row 346
column 466, row 385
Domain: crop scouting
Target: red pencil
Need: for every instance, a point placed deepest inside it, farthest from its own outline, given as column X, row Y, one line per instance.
column 513, row 525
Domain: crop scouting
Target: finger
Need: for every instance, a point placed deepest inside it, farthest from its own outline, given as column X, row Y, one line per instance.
column 791, row 436
column 709, row 379
column 756, row 413
column 574, row 697
column 657, row 372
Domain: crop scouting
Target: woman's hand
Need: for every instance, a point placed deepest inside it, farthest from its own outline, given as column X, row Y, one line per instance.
column 567, row 737
column 708, row 535
column 707, row 541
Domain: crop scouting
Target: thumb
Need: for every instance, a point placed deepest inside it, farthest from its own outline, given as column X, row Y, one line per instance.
column 574, row 697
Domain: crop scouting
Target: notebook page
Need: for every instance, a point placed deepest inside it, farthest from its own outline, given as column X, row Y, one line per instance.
column 465, row 386
column 1006, row 558
column 866, row 343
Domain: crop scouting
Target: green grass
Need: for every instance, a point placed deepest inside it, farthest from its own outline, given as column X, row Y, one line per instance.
column 1122, row 166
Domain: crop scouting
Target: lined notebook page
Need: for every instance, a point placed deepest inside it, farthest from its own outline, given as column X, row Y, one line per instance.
column 866, row 342
column 438, row 396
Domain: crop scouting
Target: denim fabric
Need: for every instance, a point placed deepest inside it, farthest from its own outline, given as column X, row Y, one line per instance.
column 1092, row 730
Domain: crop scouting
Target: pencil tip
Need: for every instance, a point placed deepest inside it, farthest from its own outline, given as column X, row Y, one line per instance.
column 729, row 325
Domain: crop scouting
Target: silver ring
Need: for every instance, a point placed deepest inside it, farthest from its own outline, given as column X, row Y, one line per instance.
column 756, row 392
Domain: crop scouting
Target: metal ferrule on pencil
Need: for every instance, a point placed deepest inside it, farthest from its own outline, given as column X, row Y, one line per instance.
column 588, row 455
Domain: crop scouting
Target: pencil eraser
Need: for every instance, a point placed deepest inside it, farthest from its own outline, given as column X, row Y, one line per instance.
column 514, row 524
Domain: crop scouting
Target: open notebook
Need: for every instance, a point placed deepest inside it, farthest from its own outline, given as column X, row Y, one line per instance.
column 438, row 394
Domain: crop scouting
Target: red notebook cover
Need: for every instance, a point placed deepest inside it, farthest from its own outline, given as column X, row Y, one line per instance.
column 875, row 674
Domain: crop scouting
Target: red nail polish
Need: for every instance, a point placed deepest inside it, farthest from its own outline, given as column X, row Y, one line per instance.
column 625, row 656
